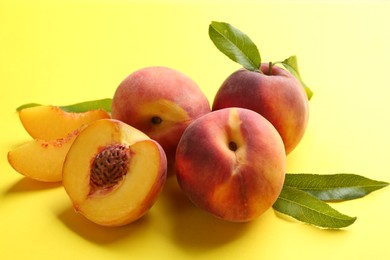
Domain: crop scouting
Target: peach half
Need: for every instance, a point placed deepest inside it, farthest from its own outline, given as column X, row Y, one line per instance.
column 51, row 122
column 42, row 160
column 113, row 173
column 231, row 163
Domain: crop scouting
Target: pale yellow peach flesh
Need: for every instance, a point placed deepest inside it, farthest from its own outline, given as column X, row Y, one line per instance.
column 51, row 122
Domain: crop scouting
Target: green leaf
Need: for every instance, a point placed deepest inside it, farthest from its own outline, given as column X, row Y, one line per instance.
column 306, row 208
column 28, row 105
column 334, row 187
column 291, row 64
column 104, row 104
column 235, row 44
column 81, row 107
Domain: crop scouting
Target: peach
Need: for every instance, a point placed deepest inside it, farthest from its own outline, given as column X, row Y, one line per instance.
column 51, row 122
column 42, row 160
column 113, row 173
column 278, row 96
column 231, row 163
column 160, row 102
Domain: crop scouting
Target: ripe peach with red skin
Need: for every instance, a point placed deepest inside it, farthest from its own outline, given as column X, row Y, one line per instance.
column 231, row 163
column 278, row 96
column 160, row 102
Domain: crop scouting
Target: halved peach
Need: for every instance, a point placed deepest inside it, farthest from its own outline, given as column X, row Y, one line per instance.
column 113, row 173
column 51, row 122
column 42, row 160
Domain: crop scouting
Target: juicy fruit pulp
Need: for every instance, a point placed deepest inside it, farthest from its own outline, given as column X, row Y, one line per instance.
column 42, row 160
column 113, row 173
column 50, row 122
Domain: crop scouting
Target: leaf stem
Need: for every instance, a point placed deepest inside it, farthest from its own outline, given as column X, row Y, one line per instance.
column 270, row 65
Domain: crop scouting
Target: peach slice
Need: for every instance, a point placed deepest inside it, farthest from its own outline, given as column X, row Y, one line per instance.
column 40, row 159
column 51, row 122
column 113, row 173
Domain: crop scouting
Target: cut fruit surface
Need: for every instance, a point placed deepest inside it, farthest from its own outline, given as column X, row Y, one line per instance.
column 40, row 159
column 50, row 122
column 104, row 192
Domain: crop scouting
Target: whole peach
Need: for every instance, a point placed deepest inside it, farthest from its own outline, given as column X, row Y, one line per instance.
column 278, row 96
column 160, row 102
column 231, row 163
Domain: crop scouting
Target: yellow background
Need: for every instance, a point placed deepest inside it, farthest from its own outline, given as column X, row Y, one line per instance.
column 63, row 52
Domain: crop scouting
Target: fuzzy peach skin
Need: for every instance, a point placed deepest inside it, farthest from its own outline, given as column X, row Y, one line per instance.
column 51, row 122
column 279, row 97
column 42, row 160
column 128, row 181
column 231, row 163
column 160, row 102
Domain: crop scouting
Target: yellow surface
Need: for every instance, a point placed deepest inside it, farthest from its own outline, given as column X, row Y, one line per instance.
column 62, row 52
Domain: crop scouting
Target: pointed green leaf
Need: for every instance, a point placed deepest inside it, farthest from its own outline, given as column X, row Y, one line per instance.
column 306, row 208
column 104, row 104
column 28, row 105
column 291, row 64
column 81, row 107
column 235, row 44
column 334, row 187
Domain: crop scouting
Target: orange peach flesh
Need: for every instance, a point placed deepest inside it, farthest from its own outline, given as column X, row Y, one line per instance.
column 134, row 193
column 50, row 122
column 40, row 159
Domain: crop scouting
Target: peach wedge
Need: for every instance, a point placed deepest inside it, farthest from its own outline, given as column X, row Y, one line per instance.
column 51, row 122
column 42, row 160
column 113, row 173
